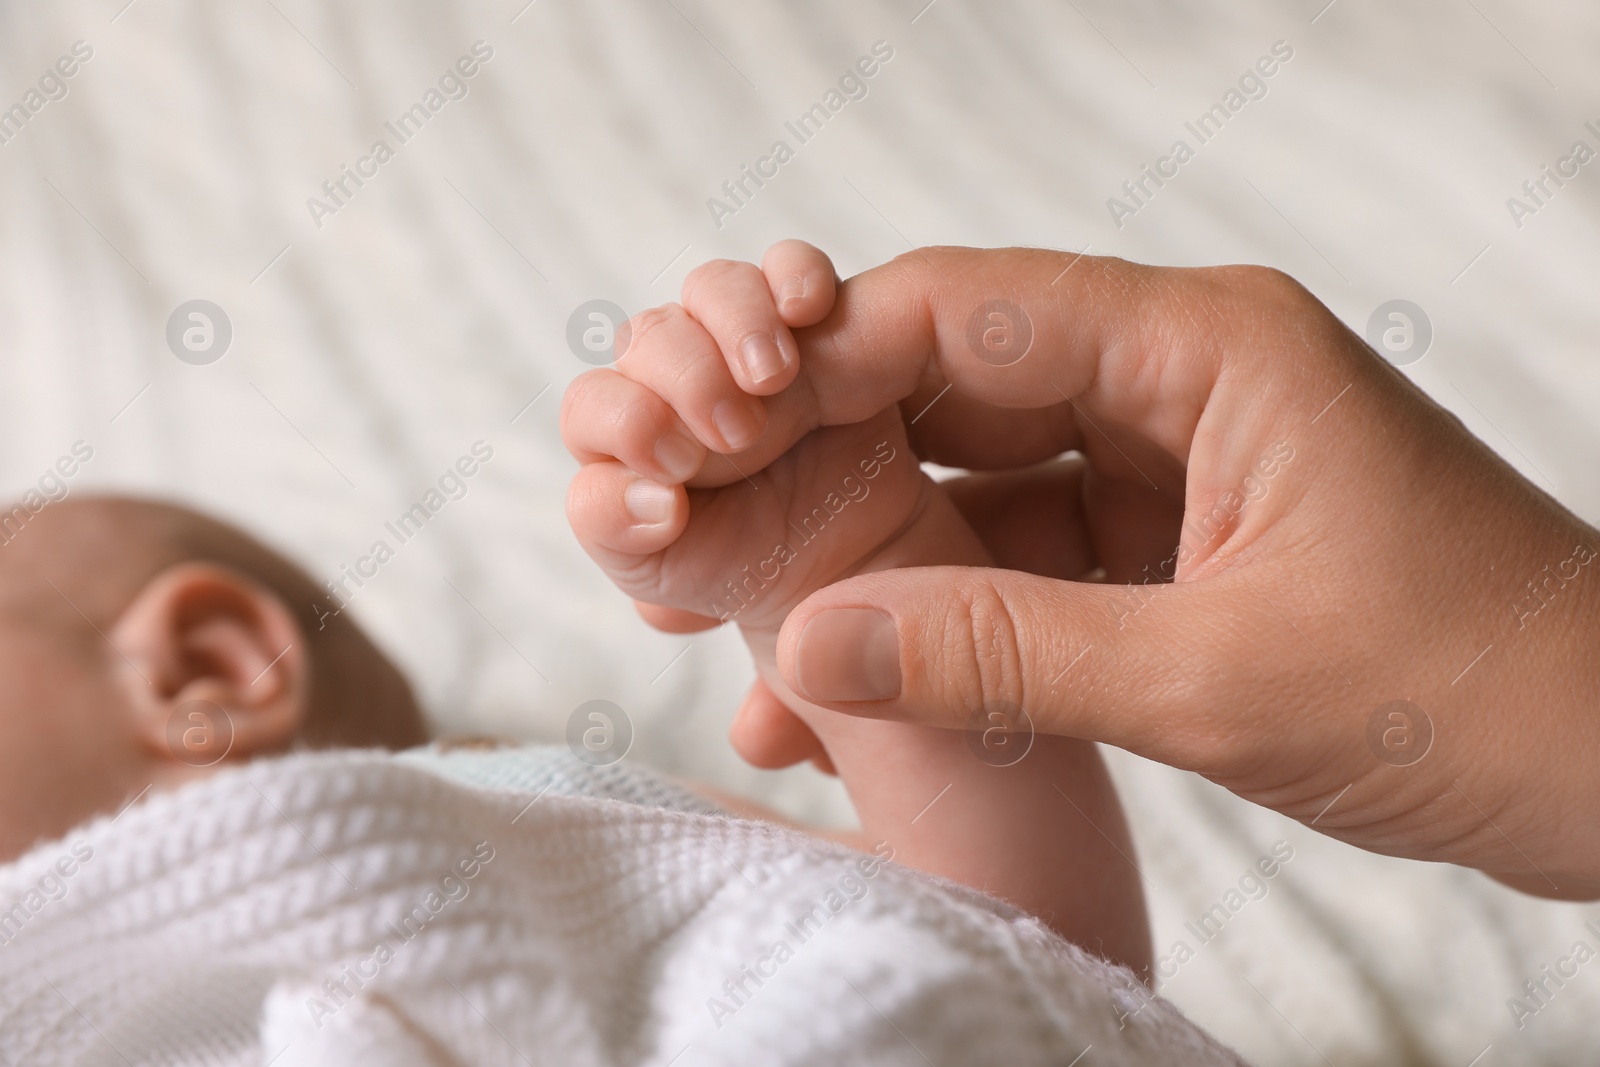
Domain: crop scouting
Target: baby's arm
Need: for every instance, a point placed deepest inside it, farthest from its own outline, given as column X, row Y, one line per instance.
column 1045, row 832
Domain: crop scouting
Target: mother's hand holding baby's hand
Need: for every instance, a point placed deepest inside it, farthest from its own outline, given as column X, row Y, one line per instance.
column 1330, row 576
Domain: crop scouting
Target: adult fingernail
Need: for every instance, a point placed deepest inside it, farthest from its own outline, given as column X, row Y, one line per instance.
column 678, row 456
column 849, row 654
column 762, row 358
column 737, row 422
column 790, row 291
column 648, row 502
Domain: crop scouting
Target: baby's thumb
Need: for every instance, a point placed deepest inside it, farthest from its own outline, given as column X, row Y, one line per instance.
column 958, row 646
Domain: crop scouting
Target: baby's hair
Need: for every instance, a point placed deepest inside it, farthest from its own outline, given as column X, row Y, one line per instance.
column 357, row 697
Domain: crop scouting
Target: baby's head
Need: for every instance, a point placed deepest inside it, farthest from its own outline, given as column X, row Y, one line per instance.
column 143, row 644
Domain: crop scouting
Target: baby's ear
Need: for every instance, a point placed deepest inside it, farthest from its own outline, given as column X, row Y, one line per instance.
column 213, row 666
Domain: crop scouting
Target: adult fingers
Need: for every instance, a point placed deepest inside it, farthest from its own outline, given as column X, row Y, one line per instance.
column 1031, row 519
column 1061, row 520
column 1123, row 362
column 944, row 646
column 957, row 430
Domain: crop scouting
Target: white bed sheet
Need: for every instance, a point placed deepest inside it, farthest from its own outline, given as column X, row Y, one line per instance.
column 429, row 313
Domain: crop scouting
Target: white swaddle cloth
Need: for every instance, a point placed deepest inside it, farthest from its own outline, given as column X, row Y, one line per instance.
column 501, row 907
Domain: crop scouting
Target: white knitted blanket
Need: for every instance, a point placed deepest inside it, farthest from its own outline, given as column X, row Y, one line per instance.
column 500, row 908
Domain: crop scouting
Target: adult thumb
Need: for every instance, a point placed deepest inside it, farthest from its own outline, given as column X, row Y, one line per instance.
column 949, row 646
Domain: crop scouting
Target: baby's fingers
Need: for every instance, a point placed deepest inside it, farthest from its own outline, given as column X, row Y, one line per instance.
column 748, row 310
column 623, row 521
column 674, row 357
column 732, row 301
column 802, row 281
column 605, row 415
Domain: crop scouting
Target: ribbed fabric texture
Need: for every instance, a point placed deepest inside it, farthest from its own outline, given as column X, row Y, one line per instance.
column 502, row 908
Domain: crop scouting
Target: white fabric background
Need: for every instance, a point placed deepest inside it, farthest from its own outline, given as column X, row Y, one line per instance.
column 431, row 310
column 229, row 923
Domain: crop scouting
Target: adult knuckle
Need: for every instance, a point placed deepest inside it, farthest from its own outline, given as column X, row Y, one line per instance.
column 1264, row 287
column 1214, row 316
column 995, row 643
column 929, row 266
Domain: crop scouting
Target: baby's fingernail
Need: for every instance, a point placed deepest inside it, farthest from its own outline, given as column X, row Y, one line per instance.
column 762, row 358
column 790, row 291
column 737, row 422
column 849, row 654
column 648, row 502
column 678, row 456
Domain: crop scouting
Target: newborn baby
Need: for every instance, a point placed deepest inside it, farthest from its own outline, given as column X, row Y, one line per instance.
column 126, row 626
column 670, row 503
column 487, row 907
column 148, row 646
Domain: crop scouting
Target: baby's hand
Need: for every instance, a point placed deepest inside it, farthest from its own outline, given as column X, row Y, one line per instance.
column 689, row 509
column 744, row 537
column 746, row 315
column 665, row 502
column 711, row 358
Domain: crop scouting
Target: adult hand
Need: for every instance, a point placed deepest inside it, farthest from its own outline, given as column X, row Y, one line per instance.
column 1305, row 574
